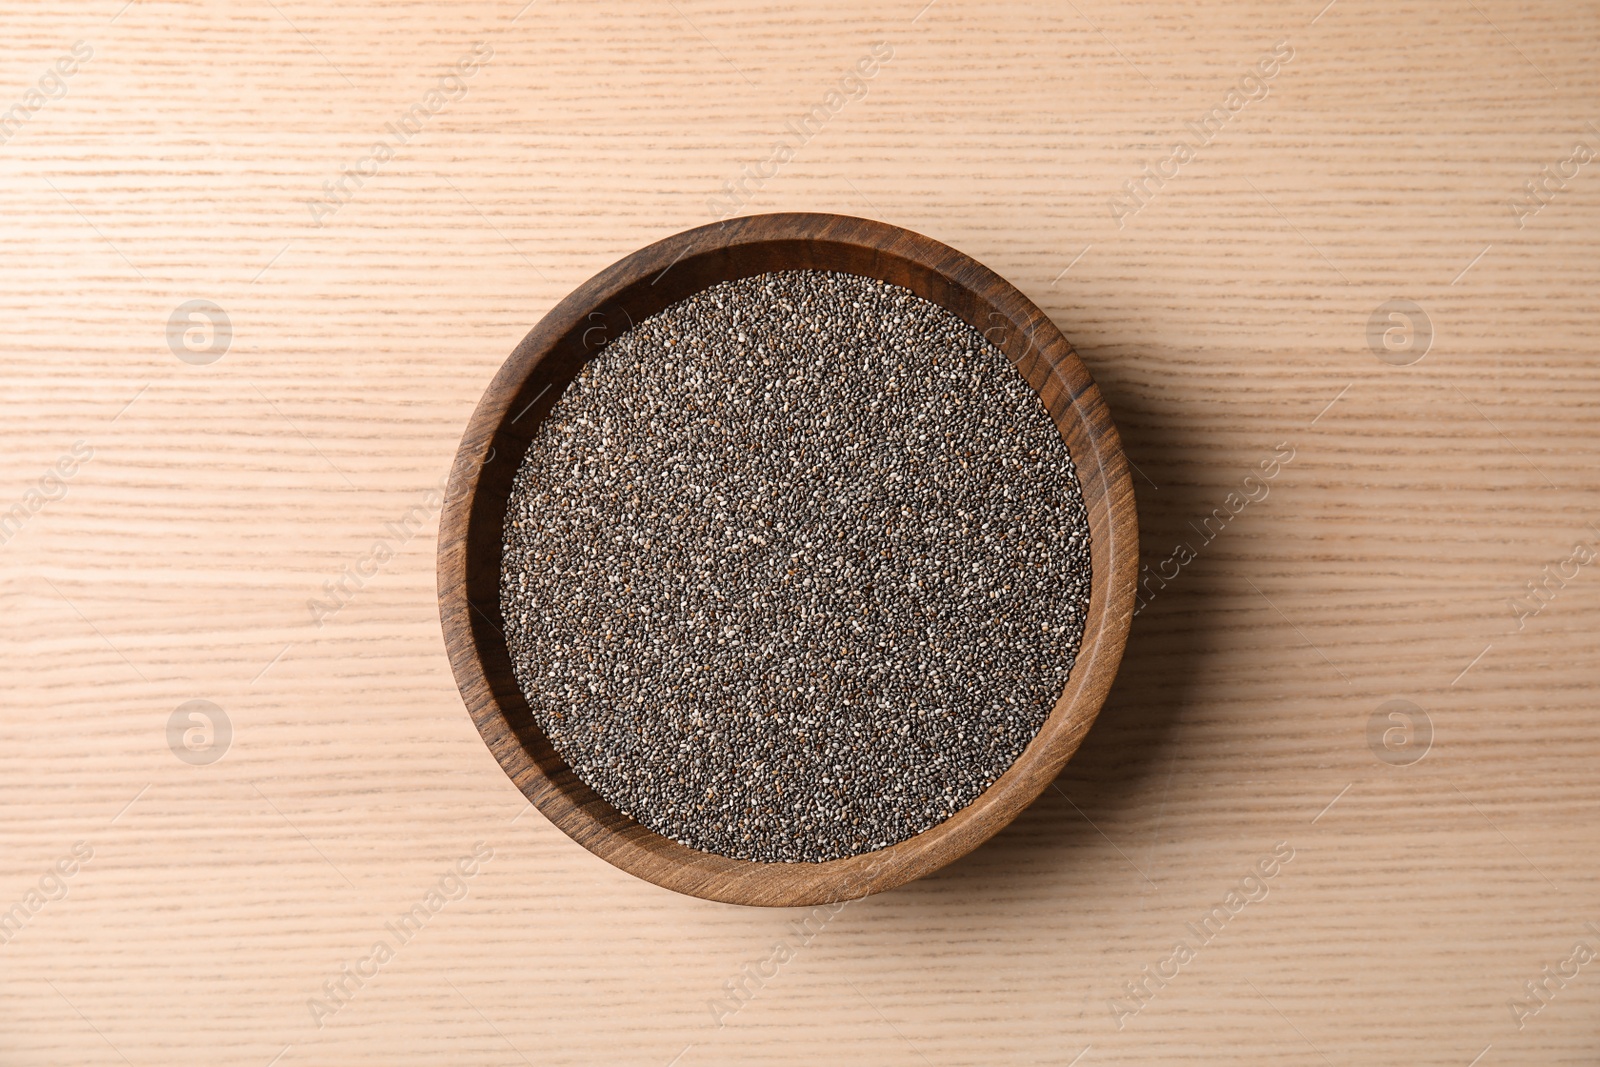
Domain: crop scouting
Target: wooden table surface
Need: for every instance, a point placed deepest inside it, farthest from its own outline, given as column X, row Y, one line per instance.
column 1217, row 203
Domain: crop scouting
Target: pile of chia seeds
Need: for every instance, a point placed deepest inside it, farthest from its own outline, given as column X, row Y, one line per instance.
column 795, row 568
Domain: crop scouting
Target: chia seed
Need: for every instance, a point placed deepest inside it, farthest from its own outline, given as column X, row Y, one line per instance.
column 795, row 568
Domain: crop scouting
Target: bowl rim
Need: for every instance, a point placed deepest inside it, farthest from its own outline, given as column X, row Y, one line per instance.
column 576, row 330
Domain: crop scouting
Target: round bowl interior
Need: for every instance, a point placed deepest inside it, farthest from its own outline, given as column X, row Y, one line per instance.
column 577, row 330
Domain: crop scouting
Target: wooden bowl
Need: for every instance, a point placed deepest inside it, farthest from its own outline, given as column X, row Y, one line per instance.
column 576, row 330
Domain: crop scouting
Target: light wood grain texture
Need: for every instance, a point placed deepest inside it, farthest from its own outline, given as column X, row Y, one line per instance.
column 1229, row 315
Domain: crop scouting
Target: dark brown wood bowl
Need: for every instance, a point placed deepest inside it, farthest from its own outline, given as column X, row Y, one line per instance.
column 577, row 330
